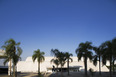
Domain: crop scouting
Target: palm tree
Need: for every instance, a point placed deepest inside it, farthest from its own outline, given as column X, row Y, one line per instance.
column 15, row 59
column 97, row 57
column 84, row 50
column 62, row 60
column 56, row 62
column 13, row 52
column 114, row 59
column 114, row 52
column 40, row 58
column 68, row 57
column 60, row 56
column 109, row 53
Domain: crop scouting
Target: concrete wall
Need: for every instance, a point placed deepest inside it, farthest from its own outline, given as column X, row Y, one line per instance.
column 30, row 66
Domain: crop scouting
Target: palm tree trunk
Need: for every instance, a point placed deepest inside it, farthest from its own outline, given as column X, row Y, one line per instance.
column 113, row 67
column 14, row 71
column 61, row 71
column 57, row 71
column 38, row 68
column 99, row 66
column 68, row 66
column 85, row 63
column 110, row 66
column 10, row 67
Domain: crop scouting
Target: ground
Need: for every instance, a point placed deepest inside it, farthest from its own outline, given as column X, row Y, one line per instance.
column 74, row 74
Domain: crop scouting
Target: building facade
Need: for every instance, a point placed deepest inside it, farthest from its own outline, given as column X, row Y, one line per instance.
column 29, row 66
column 3, row 68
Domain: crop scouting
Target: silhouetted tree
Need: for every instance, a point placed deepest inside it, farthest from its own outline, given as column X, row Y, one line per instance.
column 56, row 62
column 97, row 56
column 60, row 56
column 114, row 53
column 68, row 57
column 84, row 50
column 109, row 53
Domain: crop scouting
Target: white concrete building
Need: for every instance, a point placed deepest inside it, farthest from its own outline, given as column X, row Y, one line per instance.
column 30, row 66
column 3, row 68
column 2, row 58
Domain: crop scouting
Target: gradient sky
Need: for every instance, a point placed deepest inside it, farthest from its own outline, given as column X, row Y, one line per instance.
column 61, row 24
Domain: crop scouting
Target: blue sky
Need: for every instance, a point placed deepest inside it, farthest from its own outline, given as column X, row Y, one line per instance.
column 61, row 24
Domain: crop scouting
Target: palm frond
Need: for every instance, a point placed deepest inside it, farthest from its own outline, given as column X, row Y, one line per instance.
column 84, row 50
column 34, row 57
column 41, row 59
column 15, row 59
column 95, row 60
column 89, row 55
column 19, row 51
column 70, row 59
column 12, row 51
column 6, row 60
column 54, row 52
column 55, row 61
column 80, row 55
column 104, row 59
column 38, row 55
column 18, row 43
